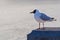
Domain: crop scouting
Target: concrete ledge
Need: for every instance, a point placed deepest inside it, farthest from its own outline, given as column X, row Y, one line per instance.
column 49, row 29
column 46, row 33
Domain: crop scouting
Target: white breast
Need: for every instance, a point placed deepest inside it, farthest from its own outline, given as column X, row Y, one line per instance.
column 37, row 18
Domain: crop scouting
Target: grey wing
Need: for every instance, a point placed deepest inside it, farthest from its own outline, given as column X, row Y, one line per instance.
column 45, row 17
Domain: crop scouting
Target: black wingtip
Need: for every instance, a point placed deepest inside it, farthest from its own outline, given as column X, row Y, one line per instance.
column 54, row 19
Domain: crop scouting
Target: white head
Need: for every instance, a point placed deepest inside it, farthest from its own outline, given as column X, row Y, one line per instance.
column 35, row 11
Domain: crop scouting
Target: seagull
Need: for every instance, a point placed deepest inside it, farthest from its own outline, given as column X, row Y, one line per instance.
column 41, row 17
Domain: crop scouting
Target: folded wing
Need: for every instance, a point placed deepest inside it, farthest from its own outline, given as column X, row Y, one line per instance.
column 45, row 17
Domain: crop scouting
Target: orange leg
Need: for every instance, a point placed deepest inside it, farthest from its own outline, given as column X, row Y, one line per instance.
column 43, row 25
column 39, row 25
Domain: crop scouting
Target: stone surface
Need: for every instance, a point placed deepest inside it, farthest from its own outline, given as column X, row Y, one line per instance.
column 44, row 34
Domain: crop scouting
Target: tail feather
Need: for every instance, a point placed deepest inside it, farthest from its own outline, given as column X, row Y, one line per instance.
column 53, row 19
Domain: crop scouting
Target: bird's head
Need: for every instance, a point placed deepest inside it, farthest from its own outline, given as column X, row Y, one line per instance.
column 34, row 11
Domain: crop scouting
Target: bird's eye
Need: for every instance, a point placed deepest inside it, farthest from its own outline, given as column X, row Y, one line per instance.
column 34, row 11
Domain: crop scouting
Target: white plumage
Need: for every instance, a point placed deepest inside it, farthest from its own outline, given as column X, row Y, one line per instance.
column 41, row 17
